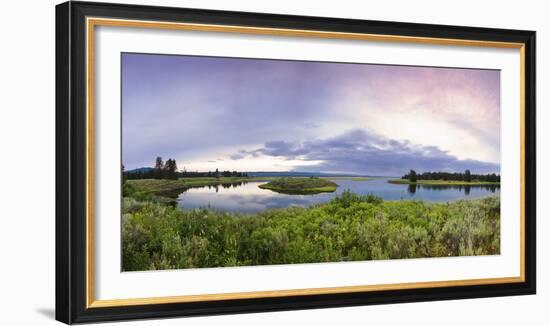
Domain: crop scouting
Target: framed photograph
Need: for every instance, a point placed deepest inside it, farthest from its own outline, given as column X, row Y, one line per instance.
column 212, row 162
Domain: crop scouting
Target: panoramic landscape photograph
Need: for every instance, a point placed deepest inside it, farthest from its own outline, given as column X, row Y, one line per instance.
column 230, row 162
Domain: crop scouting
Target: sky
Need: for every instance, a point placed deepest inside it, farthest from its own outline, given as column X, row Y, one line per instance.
column 281, row 115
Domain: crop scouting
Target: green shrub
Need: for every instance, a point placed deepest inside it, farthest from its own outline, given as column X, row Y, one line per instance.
column 349, row 227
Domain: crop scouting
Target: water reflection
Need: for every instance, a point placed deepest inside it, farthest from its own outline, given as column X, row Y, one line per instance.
column 467, row 188
column 216, row 188
column 247, row 197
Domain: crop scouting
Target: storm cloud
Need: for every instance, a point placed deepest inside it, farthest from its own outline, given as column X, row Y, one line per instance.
column 362, row 152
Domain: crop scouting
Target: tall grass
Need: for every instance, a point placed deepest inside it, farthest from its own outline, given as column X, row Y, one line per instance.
column 348, row 228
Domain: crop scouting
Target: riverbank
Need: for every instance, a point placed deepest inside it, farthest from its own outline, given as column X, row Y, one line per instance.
column 444, row 182
column 350, row 227
column 172, row 188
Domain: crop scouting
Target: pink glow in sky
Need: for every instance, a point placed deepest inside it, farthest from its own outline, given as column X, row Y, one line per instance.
column 277, row 115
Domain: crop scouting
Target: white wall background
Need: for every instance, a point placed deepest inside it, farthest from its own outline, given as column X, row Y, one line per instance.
column 27, row 144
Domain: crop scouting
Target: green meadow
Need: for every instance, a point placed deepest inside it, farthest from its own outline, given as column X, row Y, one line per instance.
column 349, row 227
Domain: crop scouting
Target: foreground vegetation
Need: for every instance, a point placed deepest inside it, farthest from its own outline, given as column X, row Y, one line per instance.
column 350, row 227
column 300, row 186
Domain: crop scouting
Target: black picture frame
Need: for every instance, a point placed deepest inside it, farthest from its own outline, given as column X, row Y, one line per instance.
column 71, row 157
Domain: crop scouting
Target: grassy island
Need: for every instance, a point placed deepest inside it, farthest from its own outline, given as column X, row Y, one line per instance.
column 443, row 182
column 300, row 186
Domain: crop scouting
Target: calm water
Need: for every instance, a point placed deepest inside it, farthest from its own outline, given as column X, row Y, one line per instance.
column 249, row 198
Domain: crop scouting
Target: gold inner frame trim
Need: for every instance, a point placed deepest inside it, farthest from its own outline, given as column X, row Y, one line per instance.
column 91, row 22
column 301, row 292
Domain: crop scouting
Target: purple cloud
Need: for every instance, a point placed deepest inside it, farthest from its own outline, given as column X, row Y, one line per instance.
column 361, row 152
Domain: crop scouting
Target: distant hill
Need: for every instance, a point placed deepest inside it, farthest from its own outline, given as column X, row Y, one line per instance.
column 298, row 174
column 140, row 170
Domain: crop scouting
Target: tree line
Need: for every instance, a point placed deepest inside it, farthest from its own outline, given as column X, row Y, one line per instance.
column 467, row 176
column 169, row 170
